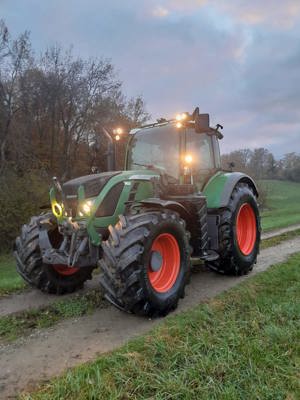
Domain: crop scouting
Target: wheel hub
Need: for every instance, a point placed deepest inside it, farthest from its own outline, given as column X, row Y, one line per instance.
column 246, row 229
column 164, row 263
column 156, row 261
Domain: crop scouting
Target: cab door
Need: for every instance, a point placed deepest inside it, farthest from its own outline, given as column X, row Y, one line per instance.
column 205, row 153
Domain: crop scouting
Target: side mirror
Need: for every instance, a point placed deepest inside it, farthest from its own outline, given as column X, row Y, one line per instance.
column 201, row 123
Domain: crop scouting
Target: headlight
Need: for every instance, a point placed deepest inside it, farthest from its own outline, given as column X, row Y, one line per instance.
column 86, row 207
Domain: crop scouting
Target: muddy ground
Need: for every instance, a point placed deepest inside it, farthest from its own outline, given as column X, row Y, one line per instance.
column 49, row 352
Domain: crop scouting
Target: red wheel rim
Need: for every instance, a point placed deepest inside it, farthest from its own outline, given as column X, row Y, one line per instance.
column 163, row 279
column 64, row 269
column 246, row 229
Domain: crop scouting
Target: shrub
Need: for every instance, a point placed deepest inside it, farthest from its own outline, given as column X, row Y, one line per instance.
column 20, row 198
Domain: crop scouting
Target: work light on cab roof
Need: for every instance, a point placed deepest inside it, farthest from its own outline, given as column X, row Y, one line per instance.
column 117, row 133
column 172, row 205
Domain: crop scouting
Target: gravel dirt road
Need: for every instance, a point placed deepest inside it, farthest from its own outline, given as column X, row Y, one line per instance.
column 47, row 353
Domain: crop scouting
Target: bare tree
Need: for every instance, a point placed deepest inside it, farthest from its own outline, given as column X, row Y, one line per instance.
column 14, row 56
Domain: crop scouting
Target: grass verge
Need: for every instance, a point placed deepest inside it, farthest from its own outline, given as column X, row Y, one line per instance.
column 23, row 323
column 244, row 344
column 274, row 241
column 10, row 280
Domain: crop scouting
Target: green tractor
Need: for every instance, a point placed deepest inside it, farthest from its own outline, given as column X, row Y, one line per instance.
column 144, row 227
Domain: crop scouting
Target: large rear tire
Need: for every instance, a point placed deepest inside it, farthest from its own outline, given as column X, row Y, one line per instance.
column 146, row 262
column 55, row 279
column 239, row 233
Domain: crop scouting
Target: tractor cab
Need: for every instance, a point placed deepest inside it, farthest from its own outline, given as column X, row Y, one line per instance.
column 177, row 149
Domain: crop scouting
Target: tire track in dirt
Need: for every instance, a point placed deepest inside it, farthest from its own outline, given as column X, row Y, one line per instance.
column 277, row 232
column 49, row 352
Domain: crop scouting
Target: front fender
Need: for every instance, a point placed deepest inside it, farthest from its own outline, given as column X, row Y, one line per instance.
column 169, row 204
column 220, row 186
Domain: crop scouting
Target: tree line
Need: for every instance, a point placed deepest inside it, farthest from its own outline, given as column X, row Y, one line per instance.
column 261, row 164
column 52, row 110
column 53, row 107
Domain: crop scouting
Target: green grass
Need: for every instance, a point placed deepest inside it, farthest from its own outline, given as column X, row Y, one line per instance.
column 244, row 344
column 283, row 203
column 23, row 323
column 10, row 280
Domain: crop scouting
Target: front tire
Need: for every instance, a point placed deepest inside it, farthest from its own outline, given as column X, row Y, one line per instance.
column 239, row 233
column 146, row 262
column 55, row 279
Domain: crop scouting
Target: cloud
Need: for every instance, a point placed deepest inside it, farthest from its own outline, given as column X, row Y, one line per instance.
column 278, row 13
column 238, row 60
column 160, row 12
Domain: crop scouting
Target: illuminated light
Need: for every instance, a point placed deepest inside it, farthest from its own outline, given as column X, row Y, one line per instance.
column 57, row 210
column 117, row 137
column 188, row 158
column 80, row 214
column 87, row 207
column 181, row 117
column 179, row 125
column 118, row 131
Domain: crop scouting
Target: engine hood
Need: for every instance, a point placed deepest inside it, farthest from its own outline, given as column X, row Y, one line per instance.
column 92, row 184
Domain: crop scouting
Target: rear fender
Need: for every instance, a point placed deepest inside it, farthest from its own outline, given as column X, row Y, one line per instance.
column 219, row 188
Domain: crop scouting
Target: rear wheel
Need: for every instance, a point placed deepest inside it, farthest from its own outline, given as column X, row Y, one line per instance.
column 146, row 262
column 56, row 279
column 239, row 233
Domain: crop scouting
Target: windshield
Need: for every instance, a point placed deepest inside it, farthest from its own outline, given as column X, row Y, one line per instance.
column 163, row 147
column 156, row 148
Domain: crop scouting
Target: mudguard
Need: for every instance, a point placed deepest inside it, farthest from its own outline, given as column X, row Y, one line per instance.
column 171, row 205
column 220, row 186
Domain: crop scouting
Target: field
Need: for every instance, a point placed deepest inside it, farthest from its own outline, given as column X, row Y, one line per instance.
column 242, row 344
column 283, row 204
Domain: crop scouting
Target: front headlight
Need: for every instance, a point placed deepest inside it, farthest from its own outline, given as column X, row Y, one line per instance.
column 86, row 207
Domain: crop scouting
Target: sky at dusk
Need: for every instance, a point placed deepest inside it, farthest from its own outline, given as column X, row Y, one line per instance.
column 238, row 60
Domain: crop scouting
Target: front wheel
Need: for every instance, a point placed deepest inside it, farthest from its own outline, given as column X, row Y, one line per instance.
column 239, row 233
column 146, row 262
column 55, row 279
